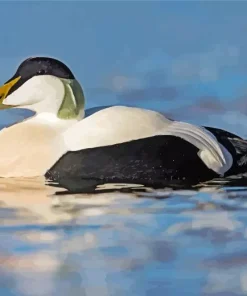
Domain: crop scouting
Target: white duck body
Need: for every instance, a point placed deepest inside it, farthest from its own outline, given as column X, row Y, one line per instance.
column 44, row 138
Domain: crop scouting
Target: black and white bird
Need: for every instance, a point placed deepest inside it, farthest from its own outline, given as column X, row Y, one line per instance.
column 122, row 144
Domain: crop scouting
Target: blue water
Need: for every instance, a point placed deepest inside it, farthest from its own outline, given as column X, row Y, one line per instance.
column 181, row 242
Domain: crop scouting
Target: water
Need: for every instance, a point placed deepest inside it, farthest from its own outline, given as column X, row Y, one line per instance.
column 166, row 242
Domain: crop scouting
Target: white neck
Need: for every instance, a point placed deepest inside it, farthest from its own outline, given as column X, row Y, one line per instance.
column 50, row 119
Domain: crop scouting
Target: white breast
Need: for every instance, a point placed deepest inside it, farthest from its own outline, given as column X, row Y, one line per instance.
column 122, row 124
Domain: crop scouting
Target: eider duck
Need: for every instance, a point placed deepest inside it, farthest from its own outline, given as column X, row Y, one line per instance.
column 115, row 144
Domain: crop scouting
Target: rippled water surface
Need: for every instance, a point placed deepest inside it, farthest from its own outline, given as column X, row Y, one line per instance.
column 166, row 242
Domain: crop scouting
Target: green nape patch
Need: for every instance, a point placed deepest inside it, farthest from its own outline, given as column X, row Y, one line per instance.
column 73, row 101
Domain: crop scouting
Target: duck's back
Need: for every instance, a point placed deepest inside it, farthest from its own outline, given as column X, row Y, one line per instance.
column 114, row 125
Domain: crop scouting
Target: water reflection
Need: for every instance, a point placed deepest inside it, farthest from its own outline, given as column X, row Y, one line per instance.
column 83, row 185
column 129, row 239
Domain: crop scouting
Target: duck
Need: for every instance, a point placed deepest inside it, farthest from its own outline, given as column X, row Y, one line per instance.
column 113, row 144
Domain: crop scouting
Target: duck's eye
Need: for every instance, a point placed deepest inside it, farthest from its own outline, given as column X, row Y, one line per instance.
column 41, row 72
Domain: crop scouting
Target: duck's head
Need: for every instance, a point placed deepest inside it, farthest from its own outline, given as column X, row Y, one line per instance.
column 44, row 84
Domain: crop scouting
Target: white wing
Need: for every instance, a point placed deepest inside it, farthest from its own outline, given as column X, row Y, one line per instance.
column 114, row 125
column 122, row 124
column 212, row 153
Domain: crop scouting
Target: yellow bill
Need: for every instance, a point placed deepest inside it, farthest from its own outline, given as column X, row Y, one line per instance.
column 4, row 90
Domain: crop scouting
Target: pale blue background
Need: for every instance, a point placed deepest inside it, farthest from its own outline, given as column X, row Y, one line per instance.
column 187, row 59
